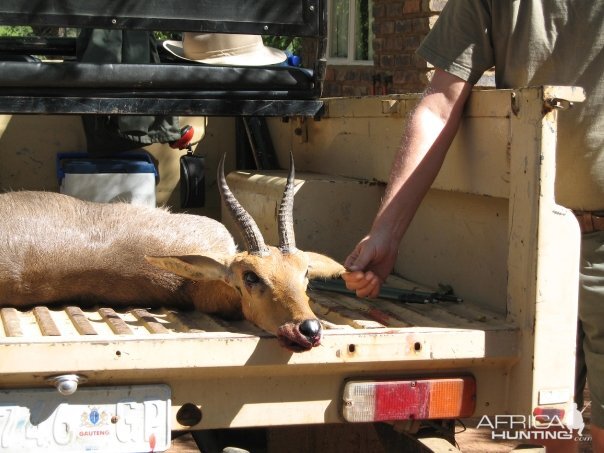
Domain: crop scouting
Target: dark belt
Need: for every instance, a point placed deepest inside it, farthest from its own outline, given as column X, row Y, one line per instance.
column 590, row 221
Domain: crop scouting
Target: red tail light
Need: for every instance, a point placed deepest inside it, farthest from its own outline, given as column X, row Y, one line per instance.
column 368, row 401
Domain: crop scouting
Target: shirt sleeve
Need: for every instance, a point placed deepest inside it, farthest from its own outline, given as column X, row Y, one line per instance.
column 460, row 41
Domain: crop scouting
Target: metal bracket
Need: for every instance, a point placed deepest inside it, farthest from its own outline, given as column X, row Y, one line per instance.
column 561, row 97
column 515, row 105
column 301, row 129
column 391, row 106
column 554, row 98
column 558, row 104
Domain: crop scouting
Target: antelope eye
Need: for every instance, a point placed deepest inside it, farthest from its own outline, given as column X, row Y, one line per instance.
column 250, row 278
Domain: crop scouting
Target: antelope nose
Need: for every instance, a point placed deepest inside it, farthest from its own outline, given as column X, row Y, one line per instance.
column 310, row 328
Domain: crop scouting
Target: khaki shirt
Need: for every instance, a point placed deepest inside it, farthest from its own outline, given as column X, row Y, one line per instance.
column 532, row 43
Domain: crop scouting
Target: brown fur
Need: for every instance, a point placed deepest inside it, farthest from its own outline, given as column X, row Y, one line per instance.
column 57, row 249
column 60, row 249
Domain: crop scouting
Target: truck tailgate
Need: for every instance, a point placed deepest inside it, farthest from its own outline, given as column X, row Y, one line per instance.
column 215, row 363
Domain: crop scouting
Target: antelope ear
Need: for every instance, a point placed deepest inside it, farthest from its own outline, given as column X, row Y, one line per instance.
column 321, row 266
column 194, row 267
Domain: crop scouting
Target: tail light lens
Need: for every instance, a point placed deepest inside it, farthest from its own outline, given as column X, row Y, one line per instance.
column 422, row 399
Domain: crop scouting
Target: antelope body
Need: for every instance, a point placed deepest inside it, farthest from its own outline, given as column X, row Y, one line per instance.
column 58, row 249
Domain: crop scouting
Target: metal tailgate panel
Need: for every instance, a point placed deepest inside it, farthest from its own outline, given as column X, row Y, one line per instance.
column 238, row 375
column 390, row 330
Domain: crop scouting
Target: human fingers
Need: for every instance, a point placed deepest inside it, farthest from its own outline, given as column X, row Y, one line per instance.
column 353, row 277
column 355, row 280
column 364, row 284
column 370, row 288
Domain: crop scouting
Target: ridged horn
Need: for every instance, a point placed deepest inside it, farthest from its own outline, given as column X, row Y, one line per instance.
column 254, row 242
column 287, row 238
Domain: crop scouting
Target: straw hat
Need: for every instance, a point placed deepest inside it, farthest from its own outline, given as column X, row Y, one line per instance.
column 224, row 49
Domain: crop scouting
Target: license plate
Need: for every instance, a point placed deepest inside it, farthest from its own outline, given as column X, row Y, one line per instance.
column 125, row 419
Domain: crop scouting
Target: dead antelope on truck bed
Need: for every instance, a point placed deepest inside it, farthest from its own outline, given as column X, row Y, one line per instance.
column 61, row 250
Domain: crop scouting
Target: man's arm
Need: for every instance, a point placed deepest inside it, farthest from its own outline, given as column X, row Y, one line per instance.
column 428, row 135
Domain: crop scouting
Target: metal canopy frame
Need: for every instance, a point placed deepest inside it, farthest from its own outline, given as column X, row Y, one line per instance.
column 286, row 17
column 68, row 88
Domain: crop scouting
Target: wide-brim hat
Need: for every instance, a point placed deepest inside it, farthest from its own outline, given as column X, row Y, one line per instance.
column 224, row 49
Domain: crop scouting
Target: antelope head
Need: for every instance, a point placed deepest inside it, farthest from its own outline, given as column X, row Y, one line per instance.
column 270, row 281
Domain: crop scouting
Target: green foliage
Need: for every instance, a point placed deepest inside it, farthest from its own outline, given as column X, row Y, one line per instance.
column 9, row 30
column 24, row 31
column 163, row 35
column 289, row 43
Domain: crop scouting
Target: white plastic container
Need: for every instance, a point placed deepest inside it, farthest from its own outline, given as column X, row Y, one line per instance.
column 128, row 177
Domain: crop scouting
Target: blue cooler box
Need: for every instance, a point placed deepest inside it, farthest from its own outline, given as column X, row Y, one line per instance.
column 128, row 177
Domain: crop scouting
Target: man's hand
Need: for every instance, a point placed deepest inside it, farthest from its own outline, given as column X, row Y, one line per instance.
column 364, row 284
column 369, row 264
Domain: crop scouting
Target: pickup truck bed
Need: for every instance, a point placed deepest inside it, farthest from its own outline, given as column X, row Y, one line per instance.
column 489, row 228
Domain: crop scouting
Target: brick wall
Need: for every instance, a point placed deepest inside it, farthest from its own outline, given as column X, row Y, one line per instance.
column 398, row 27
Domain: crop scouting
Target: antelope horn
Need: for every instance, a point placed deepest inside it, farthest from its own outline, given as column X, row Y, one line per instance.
column 254, row 242
column 287, row 238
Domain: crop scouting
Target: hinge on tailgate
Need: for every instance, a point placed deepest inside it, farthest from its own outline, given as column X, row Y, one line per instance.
column 558, row 104
column 561, row 98
column 554, row 98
